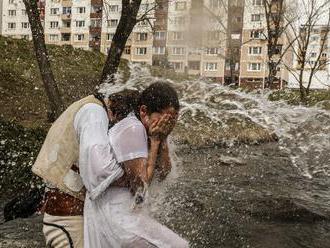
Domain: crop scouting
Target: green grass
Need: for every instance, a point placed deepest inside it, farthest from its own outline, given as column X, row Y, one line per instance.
column 320, row 98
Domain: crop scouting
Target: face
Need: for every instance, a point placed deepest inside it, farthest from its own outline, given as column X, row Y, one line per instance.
column 147, row 119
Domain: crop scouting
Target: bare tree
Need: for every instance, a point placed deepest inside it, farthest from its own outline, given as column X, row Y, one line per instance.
column 308, row 31
column 53, row 94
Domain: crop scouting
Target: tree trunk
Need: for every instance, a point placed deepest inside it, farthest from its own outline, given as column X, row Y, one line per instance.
column 55, row 101
column 125, row 27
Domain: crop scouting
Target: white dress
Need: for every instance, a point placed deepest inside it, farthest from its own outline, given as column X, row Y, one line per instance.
column 109, row 221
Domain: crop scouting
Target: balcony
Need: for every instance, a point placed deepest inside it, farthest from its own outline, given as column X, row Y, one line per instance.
column 97, row 15
column 95, row 30
column 66, row 3
column 65, row 29
column 66, row 16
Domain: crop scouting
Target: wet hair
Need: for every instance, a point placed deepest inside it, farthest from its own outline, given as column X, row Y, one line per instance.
column 158, row 97
column 124, row 102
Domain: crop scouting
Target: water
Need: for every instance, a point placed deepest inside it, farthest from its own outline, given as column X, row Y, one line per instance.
column 231, row 189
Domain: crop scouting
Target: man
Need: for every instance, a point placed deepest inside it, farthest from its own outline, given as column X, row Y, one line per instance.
column 83, row 125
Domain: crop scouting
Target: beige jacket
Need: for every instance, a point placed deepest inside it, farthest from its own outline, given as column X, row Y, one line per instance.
column 60, row 151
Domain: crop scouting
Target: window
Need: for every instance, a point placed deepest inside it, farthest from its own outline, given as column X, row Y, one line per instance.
column 112, row 23
column 160, row 35
column 324, row 55
column 66, row 10
column 66, row 24
column 211, row 66
column 141, row 50
column 178, row 50
column 159, row 50
column 177, row 35
column 254, row 67
column 180, row 6
column 256, row 34
column 81, row 10
column 113, row 8
column 313, row 54
column 212, row 51
column 179, row 20
column 54, row 11
column 24, row 12
column 96, row 23
column 66, row 37
column 194, row 65
column 53, row 24
column 255, row 50
column 25, row 25
column 142, row 36
column 53, row 37
column 12, row 12
column 143, row 23
column 110, row 36
column 11, row 1
column 11, row 25
column 315, row 38
column 213, row 35
column 177, row 65
column 215, row 3
column 256, row 17
column 127, row 50
column 79, row 37
column 257, row 2
column 80, row 23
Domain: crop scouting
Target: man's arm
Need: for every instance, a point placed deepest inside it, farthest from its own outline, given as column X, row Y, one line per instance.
column 141, row 170
column 163, row 164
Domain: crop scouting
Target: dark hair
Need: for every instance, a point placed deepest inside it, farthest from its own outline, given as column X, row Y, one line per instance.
column 123, row 102
column 159, row 96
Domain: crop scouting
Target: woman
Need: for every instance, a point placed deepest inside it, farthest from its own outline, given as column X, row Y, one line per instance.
column 109, row 220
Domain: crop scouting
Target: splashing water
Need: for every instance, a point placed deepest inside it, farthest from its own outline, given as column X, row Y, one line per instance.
column 303, row 132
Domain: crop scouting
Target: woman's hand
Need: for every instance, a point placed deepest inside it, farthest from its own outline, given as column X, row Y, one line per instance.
column 162, row 127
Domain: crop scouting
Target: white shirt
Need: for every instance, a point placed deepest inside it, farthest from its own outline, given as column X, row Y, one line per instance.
column 100, row 154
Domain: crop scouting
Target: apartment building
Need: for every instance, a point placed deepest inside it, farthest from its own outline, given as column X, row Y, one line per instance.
column 139, row 46
column 198, row 37
column 14, row 21
column 317, row 55
column 67, row 22
column 254, row 60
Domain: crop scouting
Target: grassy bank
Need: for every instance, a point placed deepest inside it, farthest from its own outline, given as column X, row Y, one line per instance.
column 320, row 98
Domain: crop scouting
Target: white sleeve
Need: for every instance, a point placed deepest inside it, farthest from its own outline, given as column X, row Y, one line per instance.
column 130, row 143
column 96, row 160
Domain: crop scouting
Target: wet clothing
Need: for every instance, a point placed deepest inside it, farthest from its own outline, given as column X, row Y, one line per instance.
column 63, row 231
column 108, row 218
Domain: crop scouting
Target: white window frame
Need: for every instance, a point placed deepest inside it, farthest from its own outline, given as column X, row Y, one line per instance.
column 160, row 35
column 25, row 25
column 255, row 19
column 79, row 37
column 53, row 37
column 11, row 25
column 110, row 36
column 211, row 66
column 80, row 24
column 53, row 24
column 214, row 51
column 140, row 49
column 178, row 50
column 175, row 63
column 180, row 6
column 81, row 10
column 257, row 69
column 113, row 8
column 112, row 23
column 159, row 50
column 255, row 50
column 11, row 12
column 142, row 36
column 54, row 11
column 257, row 2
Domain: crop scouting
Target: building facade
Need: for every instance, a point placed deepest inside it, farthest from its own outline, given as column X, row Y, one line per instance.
column 254, row 62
